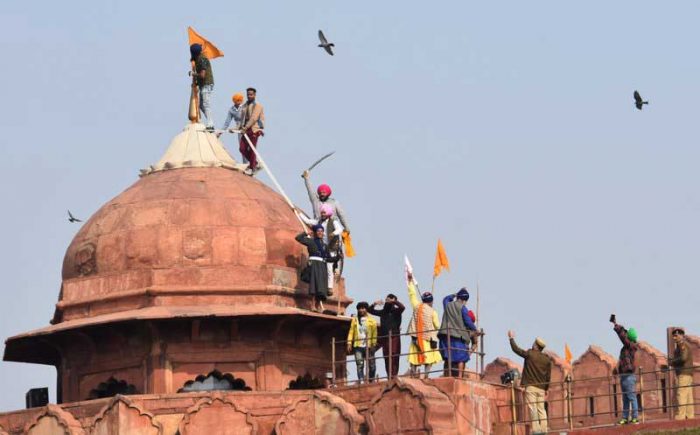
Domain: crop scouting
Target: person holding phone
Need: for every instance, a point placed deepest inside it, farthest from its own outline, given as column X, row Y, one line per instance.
column 626, row 369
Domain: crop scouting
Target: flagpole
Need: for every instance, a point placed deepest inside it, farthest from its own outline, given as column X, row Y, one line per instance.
column 478, row 319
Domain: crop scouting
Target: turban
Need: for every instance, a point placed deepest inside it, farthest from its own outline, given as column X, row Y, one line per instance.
column 237, row 98
column 195, row 50
column 324, row 189
column 463, row 294
column 317, row 227
column 632, row 334
column 327, row 209
column 427, row 297
column 540, row 343
column 471, row 315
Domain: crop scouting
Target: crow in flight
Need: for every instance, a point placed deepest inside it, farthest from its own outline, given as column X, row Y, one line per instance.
column 72, row 218
column 325, row 44
column 638, row 102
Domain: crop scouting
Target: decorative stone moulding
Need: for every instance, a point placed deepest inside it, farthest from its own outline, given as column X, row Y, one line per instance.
column 330, row 414
column 121, row 415
column 53, row 420
column 218, row 415
column 411, row 406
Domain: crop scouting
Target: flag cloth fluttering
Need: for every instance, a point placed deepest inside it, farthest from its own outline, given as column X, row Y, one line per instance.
column 209, row 50
column 441, row 261
column 347, row 241
column 567, row 353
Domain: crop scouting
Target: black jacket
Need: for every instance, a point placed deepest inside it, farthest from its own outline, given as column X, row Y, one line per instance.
column 389, row 316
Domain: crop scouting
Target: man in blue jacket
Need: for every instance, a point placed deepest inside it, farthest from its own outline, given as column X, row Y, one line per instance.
column 456, row 327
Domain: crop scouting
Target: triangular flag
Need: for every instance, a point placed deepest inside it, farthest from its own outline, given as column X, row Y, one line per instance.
column 209, row 50
column 441, row 261
column 567, row 353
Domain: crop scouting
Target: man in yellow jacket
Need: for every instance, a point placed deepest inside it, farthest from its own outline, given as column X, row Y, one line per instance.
column 362, row 341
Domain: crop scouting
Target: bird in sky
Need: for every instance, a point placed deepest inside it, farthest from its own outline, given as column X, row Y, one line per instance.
column 638, row 102
column 324, row 43
column 72, row 218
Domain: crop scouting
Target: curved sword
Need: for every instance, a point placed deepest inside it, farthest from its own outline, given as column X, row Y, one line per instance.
column 320, row 160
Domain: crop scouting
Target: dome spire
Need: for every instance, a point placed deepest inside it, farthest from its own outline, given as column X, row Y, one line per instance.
column 194, row 147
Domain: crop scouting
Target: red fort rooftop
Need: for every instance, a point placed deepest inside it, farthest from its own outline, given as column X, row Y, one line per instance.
column 181, row 311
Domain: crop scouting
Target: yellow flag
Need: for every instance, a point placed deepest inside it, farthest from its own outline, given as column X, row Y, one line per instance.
column 567, row 353
column 347, row 241
column 209, row 50
column 441, row 261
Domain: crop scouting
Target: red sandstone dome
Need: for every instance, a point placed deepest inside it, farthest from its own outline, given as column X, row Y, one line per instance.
column 212, row 233
column 197, row 256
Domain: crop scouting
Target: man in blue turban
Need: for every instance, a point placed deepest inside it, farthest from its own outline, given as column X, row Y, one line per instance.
column 455, row 332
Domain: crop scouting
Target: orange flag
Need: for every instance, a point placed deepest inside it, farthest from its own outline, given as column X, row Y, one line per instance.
column 441, row 261
column 567, row 353
column 209, row 50
column 347, row 241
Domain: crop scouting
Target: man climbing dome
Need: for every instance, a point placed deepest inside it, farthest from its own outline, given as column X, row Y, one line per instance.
column 205, row 82
column 235, row 114
column 332, row 231
column 252, row 126
column 323, row 196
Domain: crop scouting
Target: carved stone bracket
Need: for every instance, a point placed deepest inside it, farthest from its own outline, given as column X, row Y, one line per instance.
column 411, row 405
column 219, row 415
column 123, row 415
column 320, row 412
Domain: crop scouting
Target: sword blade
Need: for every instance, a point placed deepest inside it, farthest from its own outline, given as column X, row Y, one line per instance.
column 320, row 160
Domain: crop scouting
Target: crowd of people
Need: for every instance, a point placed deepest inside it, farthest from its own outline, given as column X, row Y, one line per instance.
column 434, row 339
column 537, row 368
column 450, row 338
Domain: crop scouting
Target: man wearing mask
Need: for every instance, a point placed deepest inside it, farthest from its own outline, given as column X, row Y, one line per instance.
column 390, row 321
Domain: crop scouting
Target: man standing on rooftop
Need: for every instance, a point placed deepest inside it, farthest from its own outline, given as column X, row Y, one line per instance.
column 682, row 362
column 252, row 126
column 205, row 82
column 537, row 370
column 626, row 369
column 390, row 322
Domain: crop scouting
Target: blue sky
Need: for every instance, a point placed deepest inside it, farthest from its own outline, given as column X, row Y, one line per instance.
column 505, row 128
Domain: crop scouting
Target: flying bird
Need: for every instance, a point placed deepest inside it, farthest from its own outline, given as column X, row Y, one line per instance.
column 638, row 102
column 324, row 43
column 72, row 218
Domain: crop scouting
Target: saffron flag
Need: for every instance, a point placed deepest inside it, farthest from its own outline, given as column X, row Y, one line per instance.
column 347, row 241
column 567, row 353
column 209, row 50
column 441, row 261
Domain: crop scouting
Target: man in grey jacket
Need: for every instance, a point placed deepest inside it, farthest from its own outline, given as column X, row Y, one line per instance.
column 323, row 196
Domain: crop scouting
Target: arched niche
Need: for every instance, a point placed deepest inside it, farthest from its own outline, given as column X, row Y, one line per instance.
column 214, row 381
column 111, row 387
